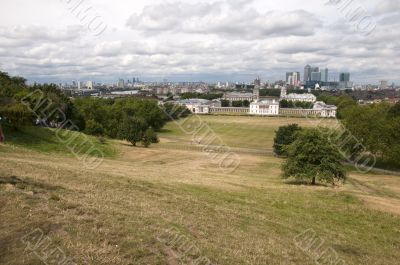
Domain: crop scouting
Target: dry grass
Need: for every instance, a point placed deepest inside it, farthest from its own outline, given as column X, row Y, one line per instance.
column 114, row 214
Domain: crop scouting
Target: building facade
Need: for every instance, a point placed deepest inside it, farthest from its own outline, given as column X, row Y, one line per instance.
column 265, row 108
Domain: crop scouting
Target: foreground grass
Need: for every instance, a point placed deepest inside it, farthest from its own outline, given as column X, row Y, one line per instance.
column 115, row 213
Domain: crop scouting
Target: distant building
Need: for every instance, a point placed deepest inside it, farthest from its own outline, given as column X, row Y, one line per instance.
column 199, row 106
column 316, row 76
column 265, row 108
column 308, row 70
column 89, row 84
column 326, row 111
column 121, row 83
column 344, row 77
column 325, row 75
column 293, row 78
column 307, row 73
column 236, row 96
column 257, row 82
column 344, row 81
column 308, row 97
column 383, row 85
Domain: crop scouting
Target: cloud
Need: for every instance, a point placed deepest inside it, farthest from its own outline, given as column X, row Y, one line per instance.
column 222, row 19
column 387, row 6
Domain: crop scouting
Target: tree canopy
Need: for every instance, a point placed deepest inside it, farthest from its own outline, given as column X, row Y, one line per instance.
column 312, row 158
column 284, row 137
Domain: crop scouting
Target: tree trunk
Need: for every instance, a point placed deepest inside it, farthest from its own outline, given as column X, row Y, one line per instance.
column 313, row 181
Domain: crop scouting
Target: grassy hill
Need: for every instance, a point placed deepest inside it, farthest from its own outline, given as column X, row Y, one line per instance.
column 171, row 206
column 50, row 140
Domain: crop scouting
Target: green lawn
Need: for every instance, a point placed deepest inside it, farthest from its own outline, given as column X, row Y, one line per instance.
column 236, row 131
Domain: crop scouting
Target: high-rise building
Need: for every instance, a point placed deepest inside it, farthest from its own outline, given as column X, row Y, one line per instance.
column 307, row 73
column 344, row 77
column 383, row 84
column 257, row 82
column 293, row 78
column 316, row 76
column 121, row 83
column 324, row 75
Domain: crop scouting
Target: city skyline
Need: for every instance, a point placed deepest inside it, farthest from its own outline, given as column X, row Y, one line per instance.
column 210, row 41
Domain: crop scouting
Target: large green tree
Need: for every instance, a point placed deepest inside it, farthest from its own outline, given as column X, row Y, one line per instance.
column 284, row 137
column 313, row 158
column 132, row 129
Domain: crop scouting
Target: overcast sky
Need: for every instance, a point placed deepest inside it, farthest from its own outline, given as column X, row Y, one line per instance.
column 233, row 40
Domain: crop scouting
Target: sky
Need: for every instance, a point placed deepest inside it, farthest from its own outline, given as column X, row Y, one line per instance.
column 193, row 40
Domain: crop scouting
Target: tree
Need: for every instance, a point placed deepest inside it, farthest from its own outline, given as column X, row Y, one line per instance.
column 132, row 130
column 225, row 103
column 312, row 157
column 94, row 128
column 284, row 137
column 149, row 137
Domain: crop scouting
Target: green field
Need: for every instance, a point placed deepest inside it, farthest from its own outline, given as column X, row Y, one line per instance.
column 138, row 202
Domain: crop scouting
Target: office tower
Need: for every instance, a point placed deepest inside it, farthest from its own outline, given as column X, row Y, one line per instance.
column 324, row 75
column 307, row 73
column 316, row 76
column 344, row 77
column 293, row 78
column 79, row 85
column 383, row 84
column 288, row 75
column 121, row 83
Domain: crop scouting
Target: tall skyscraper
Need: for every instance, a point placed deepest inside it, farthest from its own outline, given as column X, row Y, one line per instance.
column 324, row 75
column 293, row 78
column 121, row 83
column 344, row 77
column 307, row 73
column 316, row 76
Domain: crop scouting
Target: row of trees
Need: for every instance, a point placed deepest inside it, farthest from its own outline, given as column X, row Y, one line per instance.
column 295, row 104
column 134, row 120
column 236, row 104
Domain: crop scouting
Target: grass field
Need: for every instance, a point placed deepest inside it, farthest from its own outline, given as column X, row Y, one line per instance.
column 133, row 207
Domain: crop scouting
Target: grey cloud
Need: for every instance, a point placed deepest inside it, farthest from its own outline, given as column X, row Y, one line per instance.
column 224, row 20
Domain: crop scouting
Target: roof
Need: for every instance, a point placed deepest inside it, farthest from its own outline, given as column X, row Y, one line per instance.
column 265, row 102
column 300, row 96
column 195, row 101
column 238, row 94
column 321, row 105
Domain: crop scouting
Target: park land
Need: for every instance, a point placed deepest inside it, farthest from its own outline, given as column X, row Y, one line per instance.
column 115, row 213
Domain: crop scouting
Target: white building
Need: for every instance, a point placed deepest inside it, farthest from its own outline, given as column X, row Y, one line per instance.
column 235, row 96
column 265, row 108
column 326, row 111
column 89, row 84
column 308, row 97
column 199, row 106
